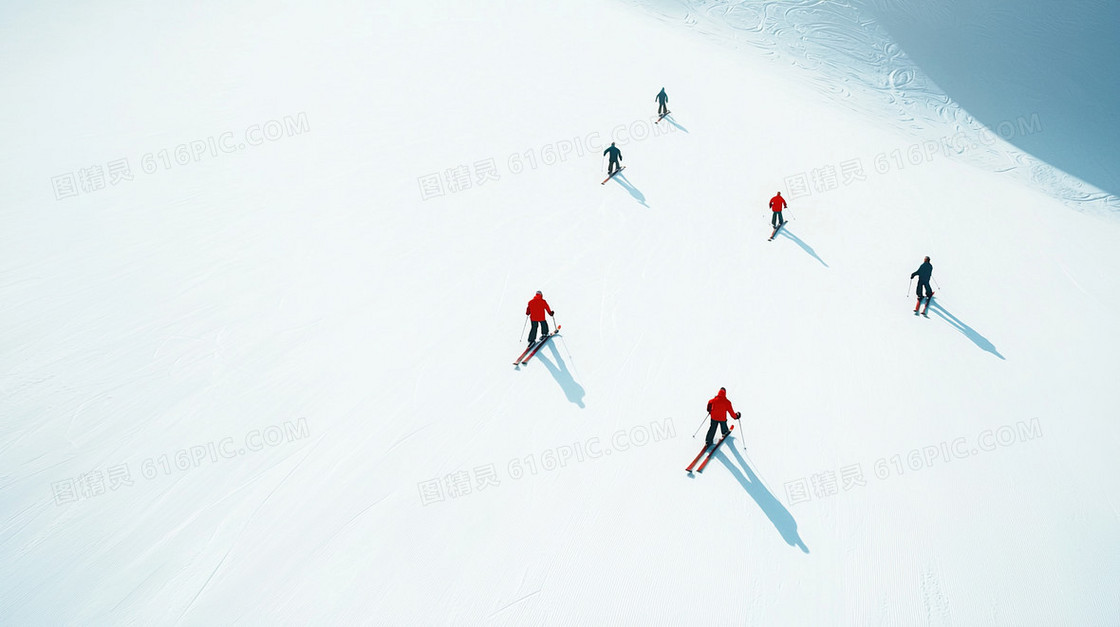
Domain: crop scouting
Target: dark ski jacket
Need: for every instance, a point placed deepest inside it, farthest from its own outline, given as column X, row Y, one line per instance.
column 924, row 272
column 615, row 153
column 720, row 407
column 662, row 97
column 537, row 308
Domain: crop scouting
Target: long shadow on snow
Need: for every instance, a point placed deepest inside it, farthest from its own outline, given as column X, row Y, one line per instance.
column 807, row 248
column 670, row 119
column 771, row 506
column 968, row 331
column 638, row 196
column 559, row 370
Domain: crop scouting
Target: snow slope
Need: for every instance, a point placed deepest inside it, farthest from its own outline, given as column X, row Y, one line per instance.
column 300, row 348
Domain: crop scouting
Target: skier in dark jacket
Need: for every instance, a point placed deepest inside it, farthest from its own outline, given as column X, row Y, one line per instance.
column 536, row 310
column 720, row 408
column 662, row 102
column 616, row 157
column 924, row 273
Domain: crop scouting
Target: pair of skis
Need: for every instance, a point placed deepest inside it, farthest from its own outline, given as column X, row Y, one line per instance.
column 925, row 311
column 709, row 457
column 611, row 175
column 775, row 233
column 662, row 116
column 533, row 348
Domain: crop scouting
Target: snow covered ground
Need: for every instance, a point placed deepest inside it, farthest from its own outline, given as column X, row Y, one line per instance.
column 263, row 265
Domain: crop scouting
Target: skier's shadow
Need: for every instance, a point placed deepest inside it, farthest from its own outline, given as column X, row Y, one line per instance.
column 807, row 248
column 670, row 119
column 968, row 331
column 638, row 195
column 559, row 370
column 771, row 506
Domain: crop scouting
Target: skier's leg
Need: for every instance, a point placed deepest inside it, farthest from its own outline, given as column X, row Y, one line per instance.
column 533, row 332
column 723, row 425
column 711, row 431
column 544, row 328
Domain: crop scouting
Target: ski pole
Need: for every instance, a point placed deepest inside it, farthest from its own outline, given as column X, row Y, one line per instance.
column 910, row 286
column 523, row 328
column 701, row 424
column 935, row 283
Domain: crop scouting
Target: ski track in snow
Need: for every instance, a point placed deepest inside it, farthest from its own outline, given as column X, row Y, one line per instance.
column 248, row 520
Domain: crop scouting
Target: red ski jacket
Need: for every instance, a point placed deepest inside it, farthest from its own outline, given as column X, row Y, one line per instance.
column 778, row 203
column 537, row 309
column 720, row 407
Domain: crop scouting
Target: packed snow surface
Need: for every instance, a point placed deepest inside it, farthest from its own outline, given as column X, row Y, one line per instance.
column 263, row 268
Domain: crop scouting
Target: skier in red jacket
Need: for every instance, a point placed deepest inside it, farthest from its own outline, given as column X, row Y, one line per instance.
column 720, row 408
column 536, row 310
column 777, row 203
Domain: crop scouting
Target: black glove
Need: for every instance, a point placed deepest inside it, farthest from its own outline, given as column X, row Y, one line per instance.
column 552, row 313
column 738, row 415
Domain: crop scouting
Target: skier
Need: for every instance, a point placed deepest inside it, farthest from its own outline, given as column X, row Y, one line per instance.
column 662, row 102
column 536, row 310
column 616, row 156
column 720, row 408
column 777, row 203
column 924, row 272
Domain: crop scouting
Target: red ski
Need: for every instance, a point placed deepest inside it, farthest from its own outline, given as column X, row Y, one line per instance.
column 612, row 175
column 918, row 306
column 709, row 457
column 523, row 354
column 662, row 116
column 532, row 350
column 702, row 451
